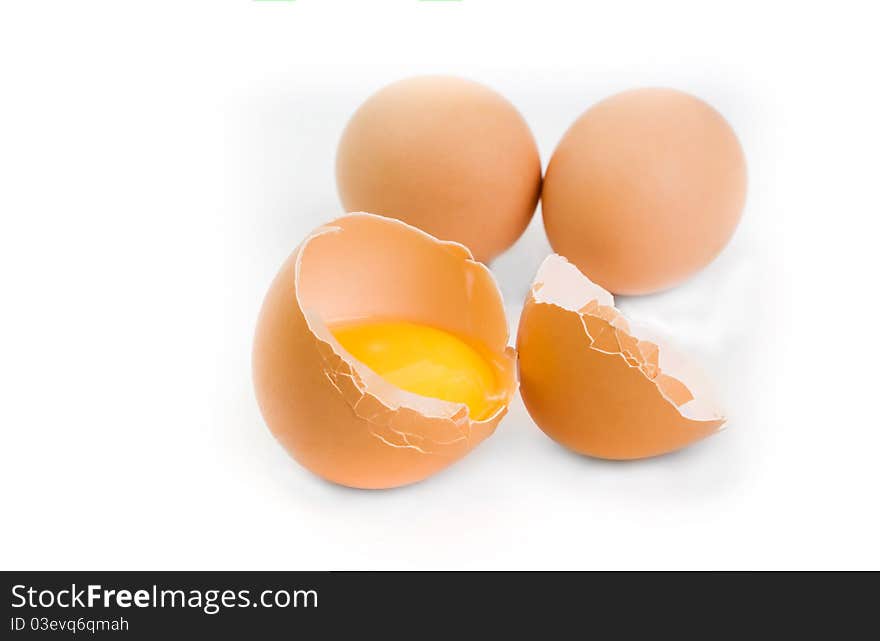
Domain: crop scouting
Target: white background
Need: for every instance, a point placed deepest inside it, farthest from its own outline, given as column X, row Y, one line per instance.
column 159, row 160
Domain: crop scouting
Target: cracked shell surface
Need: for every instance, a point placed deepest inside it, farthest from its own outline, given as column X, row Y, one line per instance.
column 596, row 384
column 333, row 414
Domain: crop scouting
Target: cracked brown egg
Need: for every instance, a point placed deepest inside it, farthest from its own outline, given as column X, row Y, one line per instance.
column 644, row 190
column 596, row 383
column 381, row 354
column 448, row 155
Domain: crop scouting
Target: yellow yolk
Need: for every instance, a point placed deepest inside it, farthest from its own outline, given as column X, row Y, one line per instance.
column 424, row 360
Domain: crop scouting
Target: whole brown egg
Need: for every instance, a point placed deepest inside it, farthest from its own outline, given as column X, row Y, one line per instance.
column 644, row 190
column 444, row 154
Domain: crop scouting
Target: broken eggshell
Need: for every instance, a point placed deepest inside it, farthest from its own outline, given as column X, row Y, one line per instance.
column 598, row 385
column 332, row 413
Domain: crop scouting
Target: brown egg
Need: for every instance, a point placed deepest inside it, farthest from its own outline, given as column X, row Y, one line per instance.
column 597, row 385
column 447, row 155
column 332, row 413
column 645, row 189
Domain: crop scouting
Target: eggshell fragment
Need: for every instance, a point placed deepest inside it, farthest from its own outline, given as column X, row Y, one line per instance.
column 597, row 385
column 332, row 413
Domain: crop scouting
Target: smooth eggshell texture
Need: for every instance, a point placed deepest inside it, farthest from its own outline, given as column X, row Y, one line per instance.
column 447, row 155
column 645, row 189
column 331, row 413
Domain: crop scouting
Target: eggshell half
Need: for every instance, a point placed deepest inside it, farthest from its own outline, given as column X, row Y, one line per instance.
column 599, row 386
column 332, row 413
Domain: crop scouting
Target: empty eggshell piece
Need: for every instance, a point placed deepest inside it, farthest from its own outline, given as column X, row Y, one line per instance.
column 599, row 386
column 447, row 155
column 644, row 190
column 332, row 413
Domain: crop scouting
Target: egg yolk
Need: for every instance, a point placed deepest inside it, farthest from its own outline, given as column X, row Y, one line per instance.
column 424, row 360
